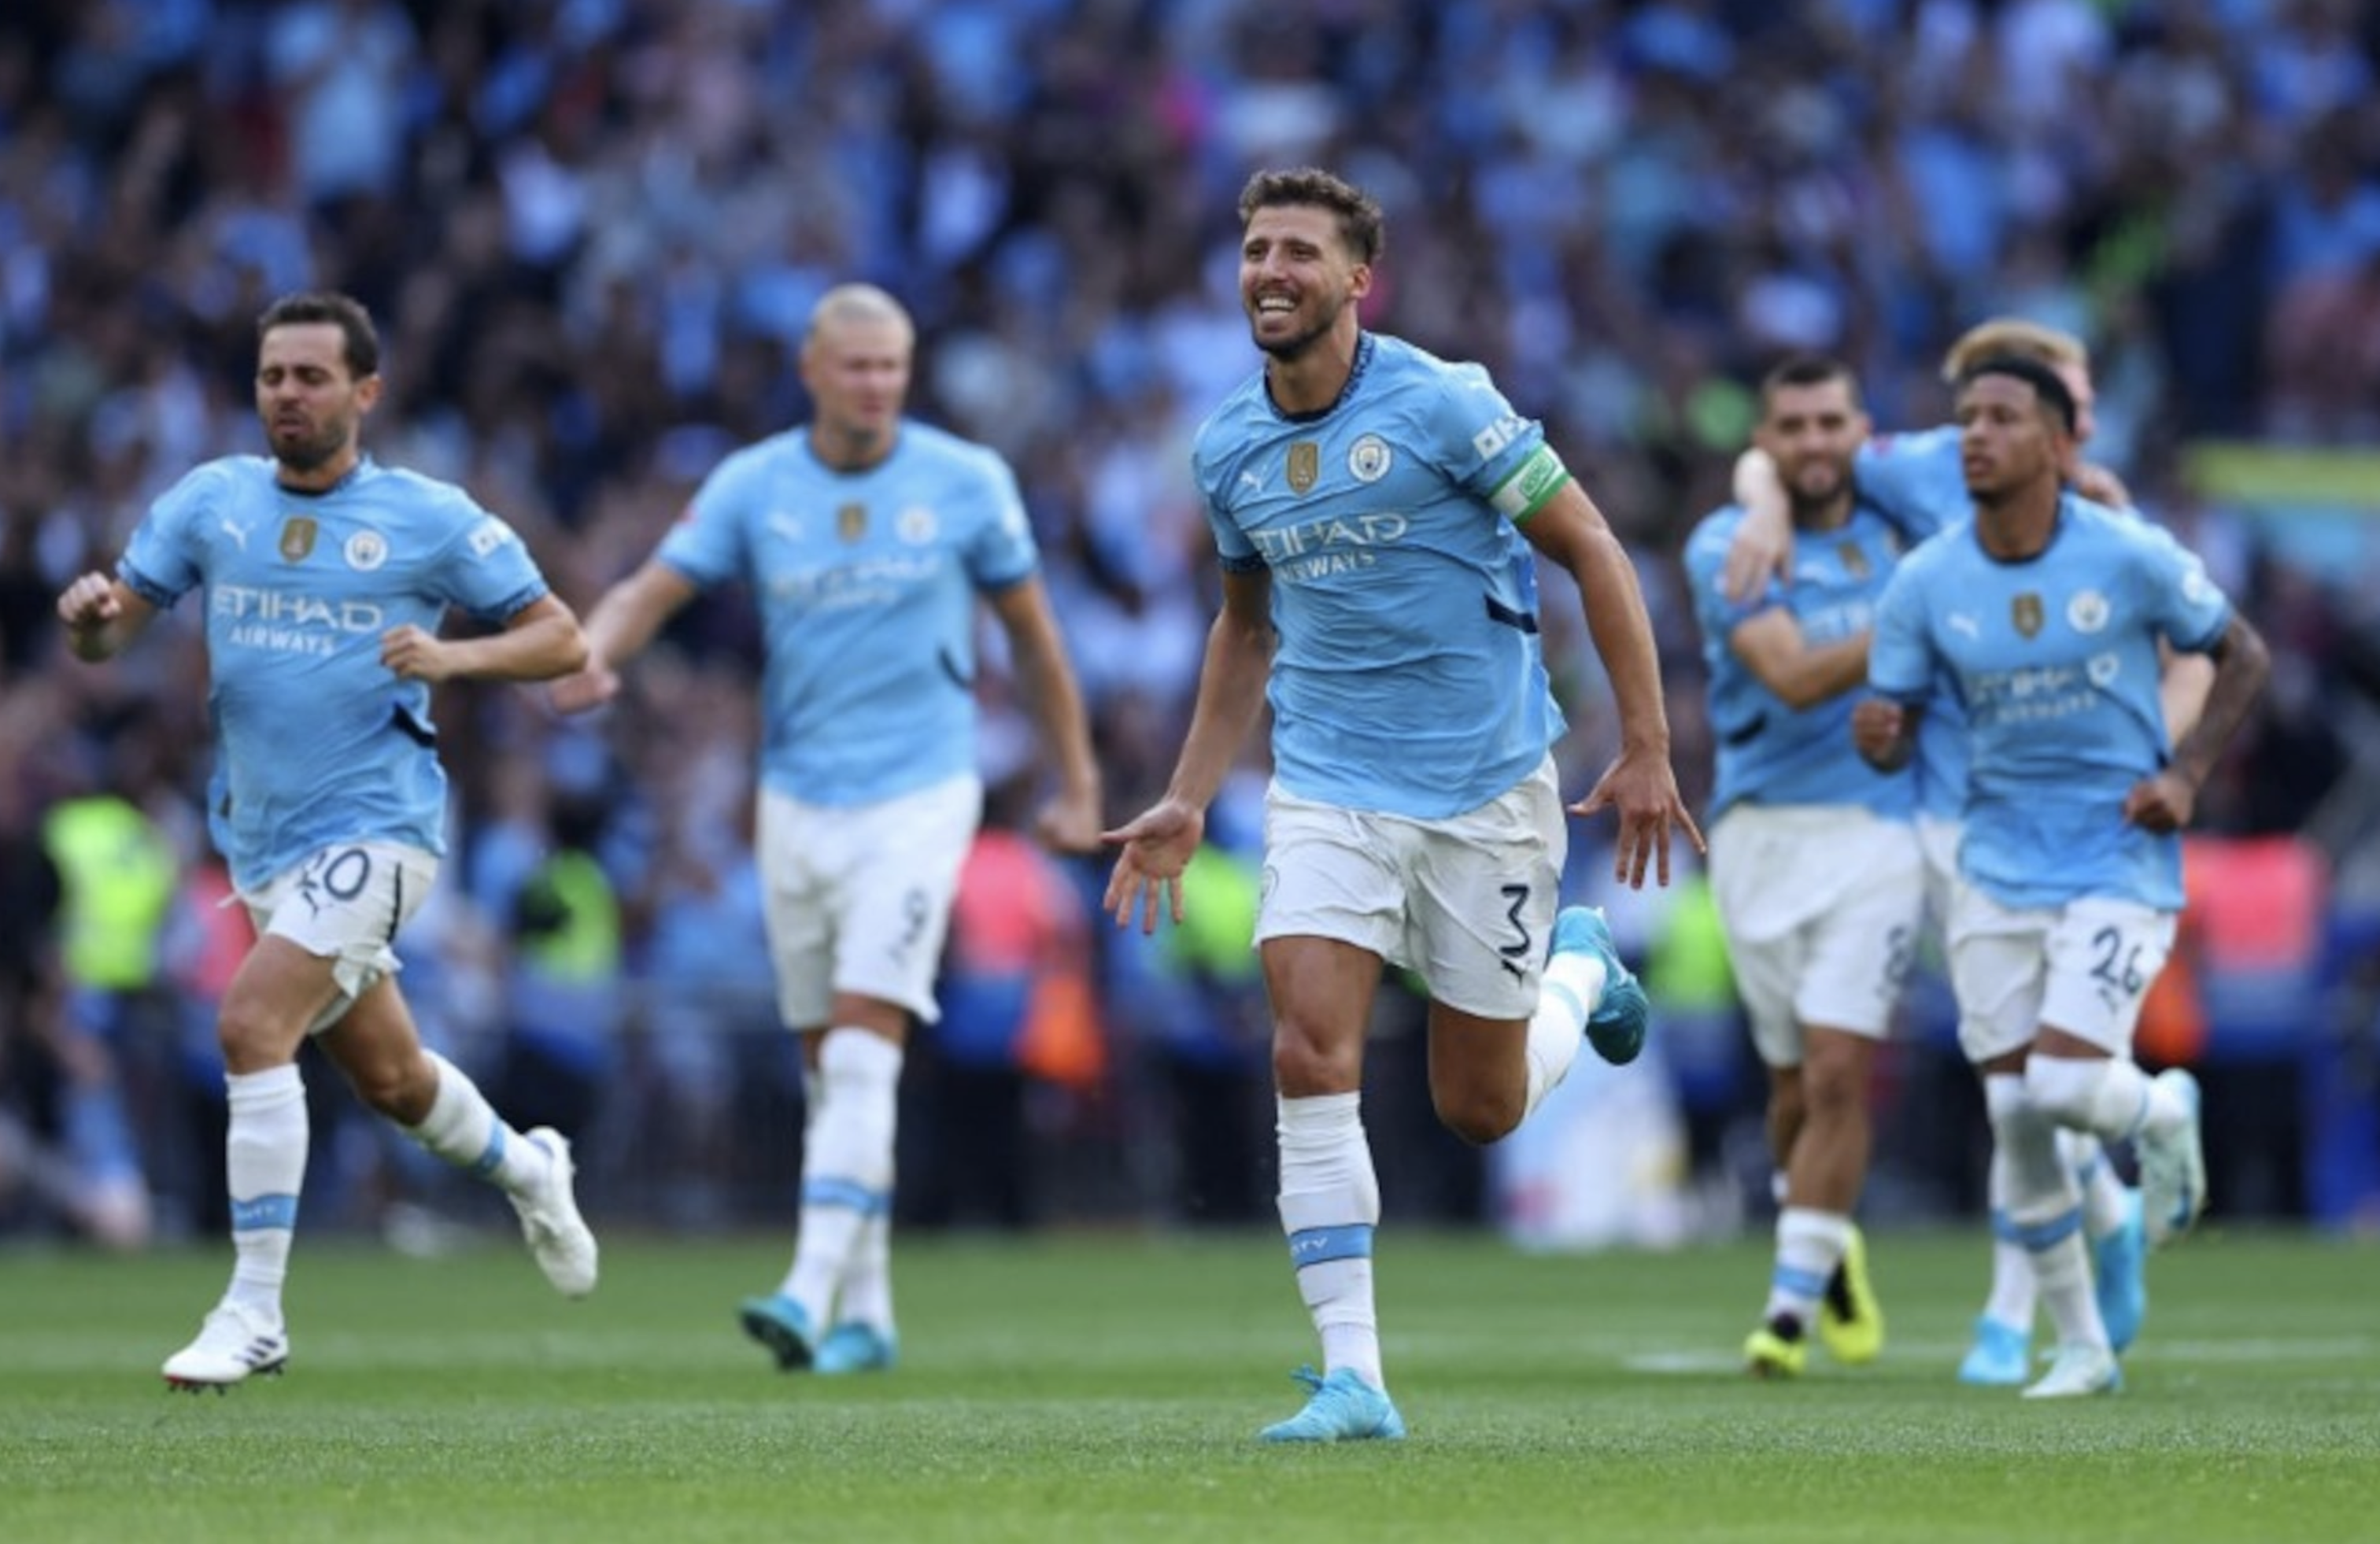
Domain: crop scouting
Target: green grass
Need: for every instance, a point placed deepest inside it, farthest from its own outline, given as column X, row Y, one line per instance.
column 1108, row 1388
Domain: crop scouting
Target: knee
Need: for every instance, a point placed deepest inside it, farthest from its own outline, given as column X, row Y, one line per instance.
column 1304, row 1064
column 2066, row 1090
column 1834, row 1087
column 253, row 1038
column 401, row 1088
column 1478, row 1115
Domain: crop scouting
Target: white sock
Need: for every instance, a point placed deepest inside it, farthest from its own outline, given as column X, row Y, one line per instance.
column 1810, row 1245
column 1569, row 991
column 2103, row 1193
column 846, row 1164
column 2046, row 1215
column 2013, row 1297
column 2062, row 1267
column 867, row 1296
column 463, row 1128
column 1329, row 1204
column 264, row 1162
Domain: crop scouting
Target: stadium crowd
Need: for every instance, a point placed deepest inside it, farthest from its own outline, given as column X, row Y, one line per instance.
column 594, row 230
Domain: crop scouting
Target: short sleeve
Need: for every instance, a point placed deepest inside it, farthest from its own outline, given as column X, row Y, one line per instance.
column 1913, row 481
column 491, row 574
column 2191, row 610
column 707, row 544
column 161, row 564
column 1900, row 652
column 1002, row 551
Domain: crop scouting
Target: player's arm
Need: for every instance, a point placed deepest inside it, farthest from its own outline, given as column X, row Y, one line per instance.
column 619, row 628
column 103, row 615
column 1069, row 822
column 2184, row 682
column 538, row 642
column 1772, row 648
column 1762, row 544
column 1640, row 783
column 1159, row 844
column 2241, row 662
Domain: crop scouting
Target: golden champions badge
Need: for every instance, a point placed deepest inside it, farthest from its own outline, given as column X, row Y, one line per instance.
column 2025, row 611
column 1304, row 465
column 1853, row 559
column 851, row 521
column 298, row 537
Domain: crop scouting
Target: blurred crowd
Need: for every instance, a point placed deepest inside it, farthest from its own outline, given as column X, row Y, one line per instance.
column 591, row 231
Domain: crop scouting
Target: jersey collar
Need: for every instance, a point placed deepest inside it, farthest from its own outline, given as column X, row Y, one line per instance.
column 1355, row 373
column 363, row 464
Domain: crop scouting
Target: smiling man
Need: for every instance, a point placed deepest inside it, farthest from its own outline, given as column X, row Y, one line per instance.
column 1814, row 862
column 1375, row 509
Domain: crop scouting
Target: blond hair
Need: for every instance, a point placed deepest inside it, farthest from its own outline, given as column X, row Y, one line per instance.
column 848, row 304
column 2011, row 334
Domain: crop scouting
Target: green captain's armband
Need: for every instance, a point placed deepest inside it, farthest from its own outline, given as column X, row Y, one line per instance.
column 1532, row 483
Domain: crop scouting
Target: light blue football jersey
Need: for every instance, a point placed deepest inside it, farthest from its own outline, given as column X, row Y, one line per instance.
column 2055, row 660
column 1409, row 678
column 866, row 584
column 1769, row 752
column 318, row 742
column 1916, row 482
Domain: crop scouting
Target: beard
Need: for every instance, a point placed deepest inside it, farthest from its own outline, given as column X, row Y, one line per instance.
column 1289, row 349
column 1810, row 495
column 306, row 451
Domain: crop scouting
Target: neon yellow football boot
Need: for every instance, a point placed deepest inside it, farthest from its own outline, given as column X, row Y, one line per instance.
column 1850, row 1321
column 1770, row 1352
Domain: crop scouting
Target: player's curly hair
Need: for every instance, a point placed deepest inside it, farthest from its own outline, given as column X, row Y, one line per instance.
column 1361, row 224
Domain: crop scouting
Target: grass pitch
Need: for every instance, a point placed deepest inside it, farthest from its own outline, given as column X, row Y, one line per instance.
column 1110, row 1387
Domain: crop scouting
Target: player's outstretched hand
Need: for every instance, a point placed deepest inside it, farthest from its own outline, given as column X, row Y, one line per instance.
column 1643, row 788
column 2162, row 804
column 583, row 689
column 1156, row 848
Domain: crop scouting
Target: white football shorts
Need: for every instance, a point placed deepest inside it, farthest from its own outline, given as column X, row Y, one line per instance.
column 859, row 897
column 2082, row 967
column 1938, row 838
column 345, row 905
column 1821, row 906
column 1467, row 903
